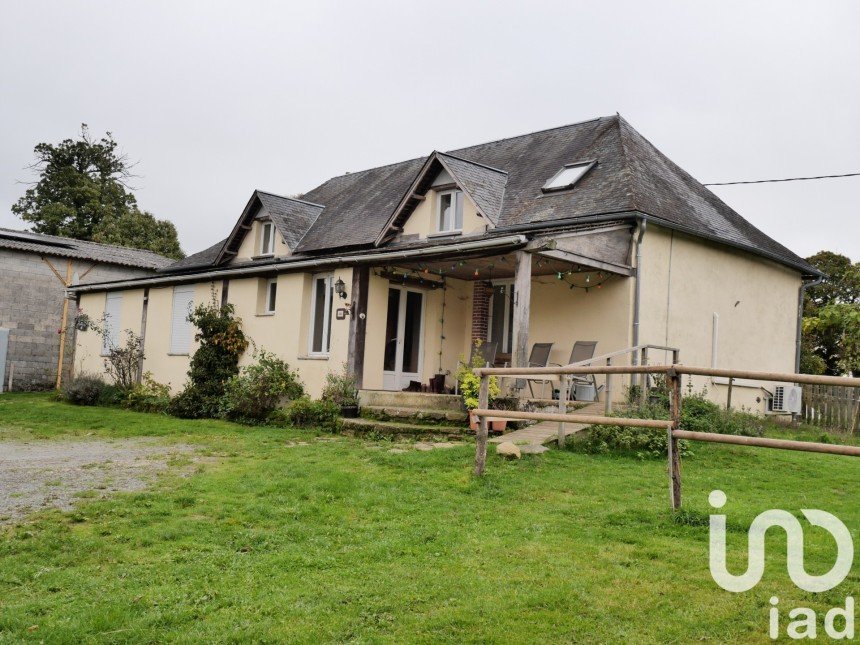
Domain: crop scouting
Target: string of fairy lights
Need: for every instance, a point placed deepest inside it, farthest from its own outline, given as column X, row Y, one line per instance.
column 435, row 278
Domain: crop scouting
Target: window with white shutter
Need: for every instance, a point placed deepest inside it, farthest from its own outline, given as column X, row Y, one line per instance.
column 110, row 338
column 180, row 326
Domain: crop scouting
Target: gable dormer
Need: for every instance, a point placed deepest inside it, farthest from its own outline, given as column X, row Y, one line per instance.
column 449, row 196
column 270, row 227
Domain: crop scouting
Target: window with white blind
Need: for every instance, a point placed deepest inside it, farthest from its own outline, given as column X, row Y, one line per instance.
column 180, row 327
column 110, row 338
column 321, row 305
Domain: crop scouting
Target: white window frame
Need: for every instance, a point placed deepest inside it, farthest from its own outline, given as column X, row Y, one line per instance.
column 267, row 304
column 456, row 202
column 327, row 312
column 509, row 285
column 173, row 349
column 110, row 337
column 264, row 225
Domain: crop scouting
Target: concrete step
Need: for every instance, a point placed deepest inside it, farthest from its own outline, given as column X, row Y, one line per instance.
column 419, row 400
column 415, row 415
column 398, row 429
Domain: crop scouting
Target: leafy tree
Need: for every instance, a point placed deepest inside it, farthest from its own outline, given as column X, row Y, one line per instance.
column 831, row 323
column 157, row 235
column 83, row 192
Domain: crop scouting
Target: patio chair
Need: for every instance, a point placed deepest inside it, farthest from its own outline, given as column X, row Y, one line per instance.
column 583, row 350
column 488, row 353
column 539, row 358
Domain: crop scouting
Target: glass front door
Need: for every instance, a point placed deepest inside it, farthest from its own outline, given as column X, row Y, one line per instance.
column 403, row 338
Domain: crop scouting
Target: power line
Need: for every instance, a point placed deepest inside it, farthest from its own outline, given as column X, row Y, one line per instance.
column 771, row 181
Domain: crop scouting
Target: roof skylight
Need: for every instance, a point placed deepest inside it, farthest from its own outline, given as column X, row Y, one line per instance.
column 568, row 176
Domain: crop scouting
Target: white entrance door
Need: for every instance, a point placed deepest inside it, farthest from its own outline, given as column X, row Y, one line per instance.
column 404, row 338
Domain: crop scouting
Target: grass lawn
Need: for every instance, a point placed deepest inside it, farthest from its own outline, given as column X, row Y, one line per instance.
column 340, row 540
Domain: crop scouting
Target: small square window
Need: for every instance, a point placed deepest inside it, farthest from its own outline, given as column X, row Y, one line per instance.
column 271, row 295
column 449, row 217
column 568, row 176
column 267, row 239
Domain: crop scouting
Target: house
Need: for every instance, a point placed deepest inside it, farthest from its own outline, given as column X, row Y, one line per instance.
column 581, row 232
column 34, row 312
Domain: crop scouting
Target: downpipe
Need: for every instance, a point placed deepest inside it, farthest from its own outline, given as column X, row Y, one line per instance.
column 637, row 293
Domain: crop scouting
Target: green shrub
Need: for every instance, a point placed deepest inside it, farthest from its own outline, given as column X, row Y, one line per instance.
column 341, row 389
column 470, row 383
column 305, row 413
column 85, row 389
column 698, row 414
column 214, row 363
column 253, row 395
column 148, row 396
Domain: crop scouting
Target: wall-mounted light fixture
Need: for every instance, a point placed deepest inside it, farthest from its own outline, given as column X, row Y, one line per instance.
column 340, row 288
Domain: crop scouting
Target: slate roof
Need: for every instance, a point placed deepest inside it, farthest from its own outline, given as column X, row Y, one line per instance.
column 484, row 184
column 68, row 247
column 292, row 217
column 631, row 175
column 197, row 260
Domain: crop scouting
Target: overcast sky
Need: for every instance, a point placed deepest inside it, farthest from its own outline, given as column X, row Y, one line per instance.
column 214, row 99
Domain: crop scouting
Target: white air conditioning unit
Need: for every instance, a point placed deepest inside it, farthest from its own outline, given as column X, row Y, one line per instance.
column 787, row 398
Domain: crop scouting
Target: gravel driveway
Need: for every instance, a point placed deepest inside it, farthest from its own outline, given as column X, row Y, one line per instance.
column 44, row 474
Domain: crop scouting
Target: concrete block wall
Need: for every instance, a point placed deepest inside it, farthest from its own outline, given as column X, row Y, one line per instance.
column 31, row 307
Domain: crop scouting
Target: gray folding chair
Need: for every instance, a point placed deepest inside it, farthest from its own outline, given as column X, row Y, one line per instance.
column 488, row 351
column 539, row 358
column 583, row 350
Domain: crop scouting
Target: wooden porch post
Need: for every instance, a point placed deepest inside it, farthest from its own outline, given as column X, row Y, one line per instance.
column 358, row 323
column 522, row 301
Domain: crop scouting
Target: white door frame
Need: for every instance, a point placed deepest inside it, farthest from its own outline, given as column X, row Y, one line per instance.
column 397, row 379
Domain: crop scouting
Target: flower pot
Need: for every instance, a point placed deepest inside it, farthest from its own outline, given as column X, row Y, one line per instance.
column 349, row 411
column 499, row 425
column 473, row 421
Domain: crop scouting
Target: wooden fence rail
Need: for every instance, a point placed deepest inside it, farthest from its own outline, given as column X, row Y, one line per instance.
column 831, row 406
column 828, row 409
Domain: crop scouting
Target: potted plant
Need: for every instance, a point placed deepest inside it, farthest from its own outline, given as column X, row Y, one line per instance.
column 470, row 385
column 342, row 390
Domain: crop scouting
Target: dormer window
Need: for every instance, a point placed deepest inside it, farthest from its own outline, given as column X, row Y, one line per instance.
column 267, row 238
column 449, row 211
column 568, row 176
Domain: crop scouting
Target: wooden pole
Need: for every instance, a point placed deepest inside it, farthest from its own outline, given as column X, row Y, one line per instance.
column 729, row 395
column 608, row 402
column 481, row 439
column 522, row 302
column 674, row 453
column 644, row 384
column 562, row 407
column 63, row 321
column 584, row 419
column 762, row 442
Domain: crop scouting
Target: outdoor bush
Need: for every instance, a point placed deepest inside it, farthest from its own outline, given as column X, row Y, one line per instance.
column 470, row 383
column 340, row 389
column 214, row 363
column 698, row 414
column 250, row 397
column 306, row 413
column 85, row 389
column 148, row 396
column 122, row 362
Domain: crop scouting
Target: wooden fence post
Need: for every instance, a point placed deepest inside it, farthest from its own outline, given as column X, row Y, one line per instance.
column 481, row 438
column 674, row 453
column 608, row 402
column 562, row 407
column 729, row 395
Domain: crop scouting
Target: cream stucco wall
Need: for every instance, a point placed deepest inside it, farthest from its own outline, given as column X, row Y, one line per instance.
column 251, row 243
column 88, row 351
column 422, row 221
column 686, row 281
column 284, row 333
